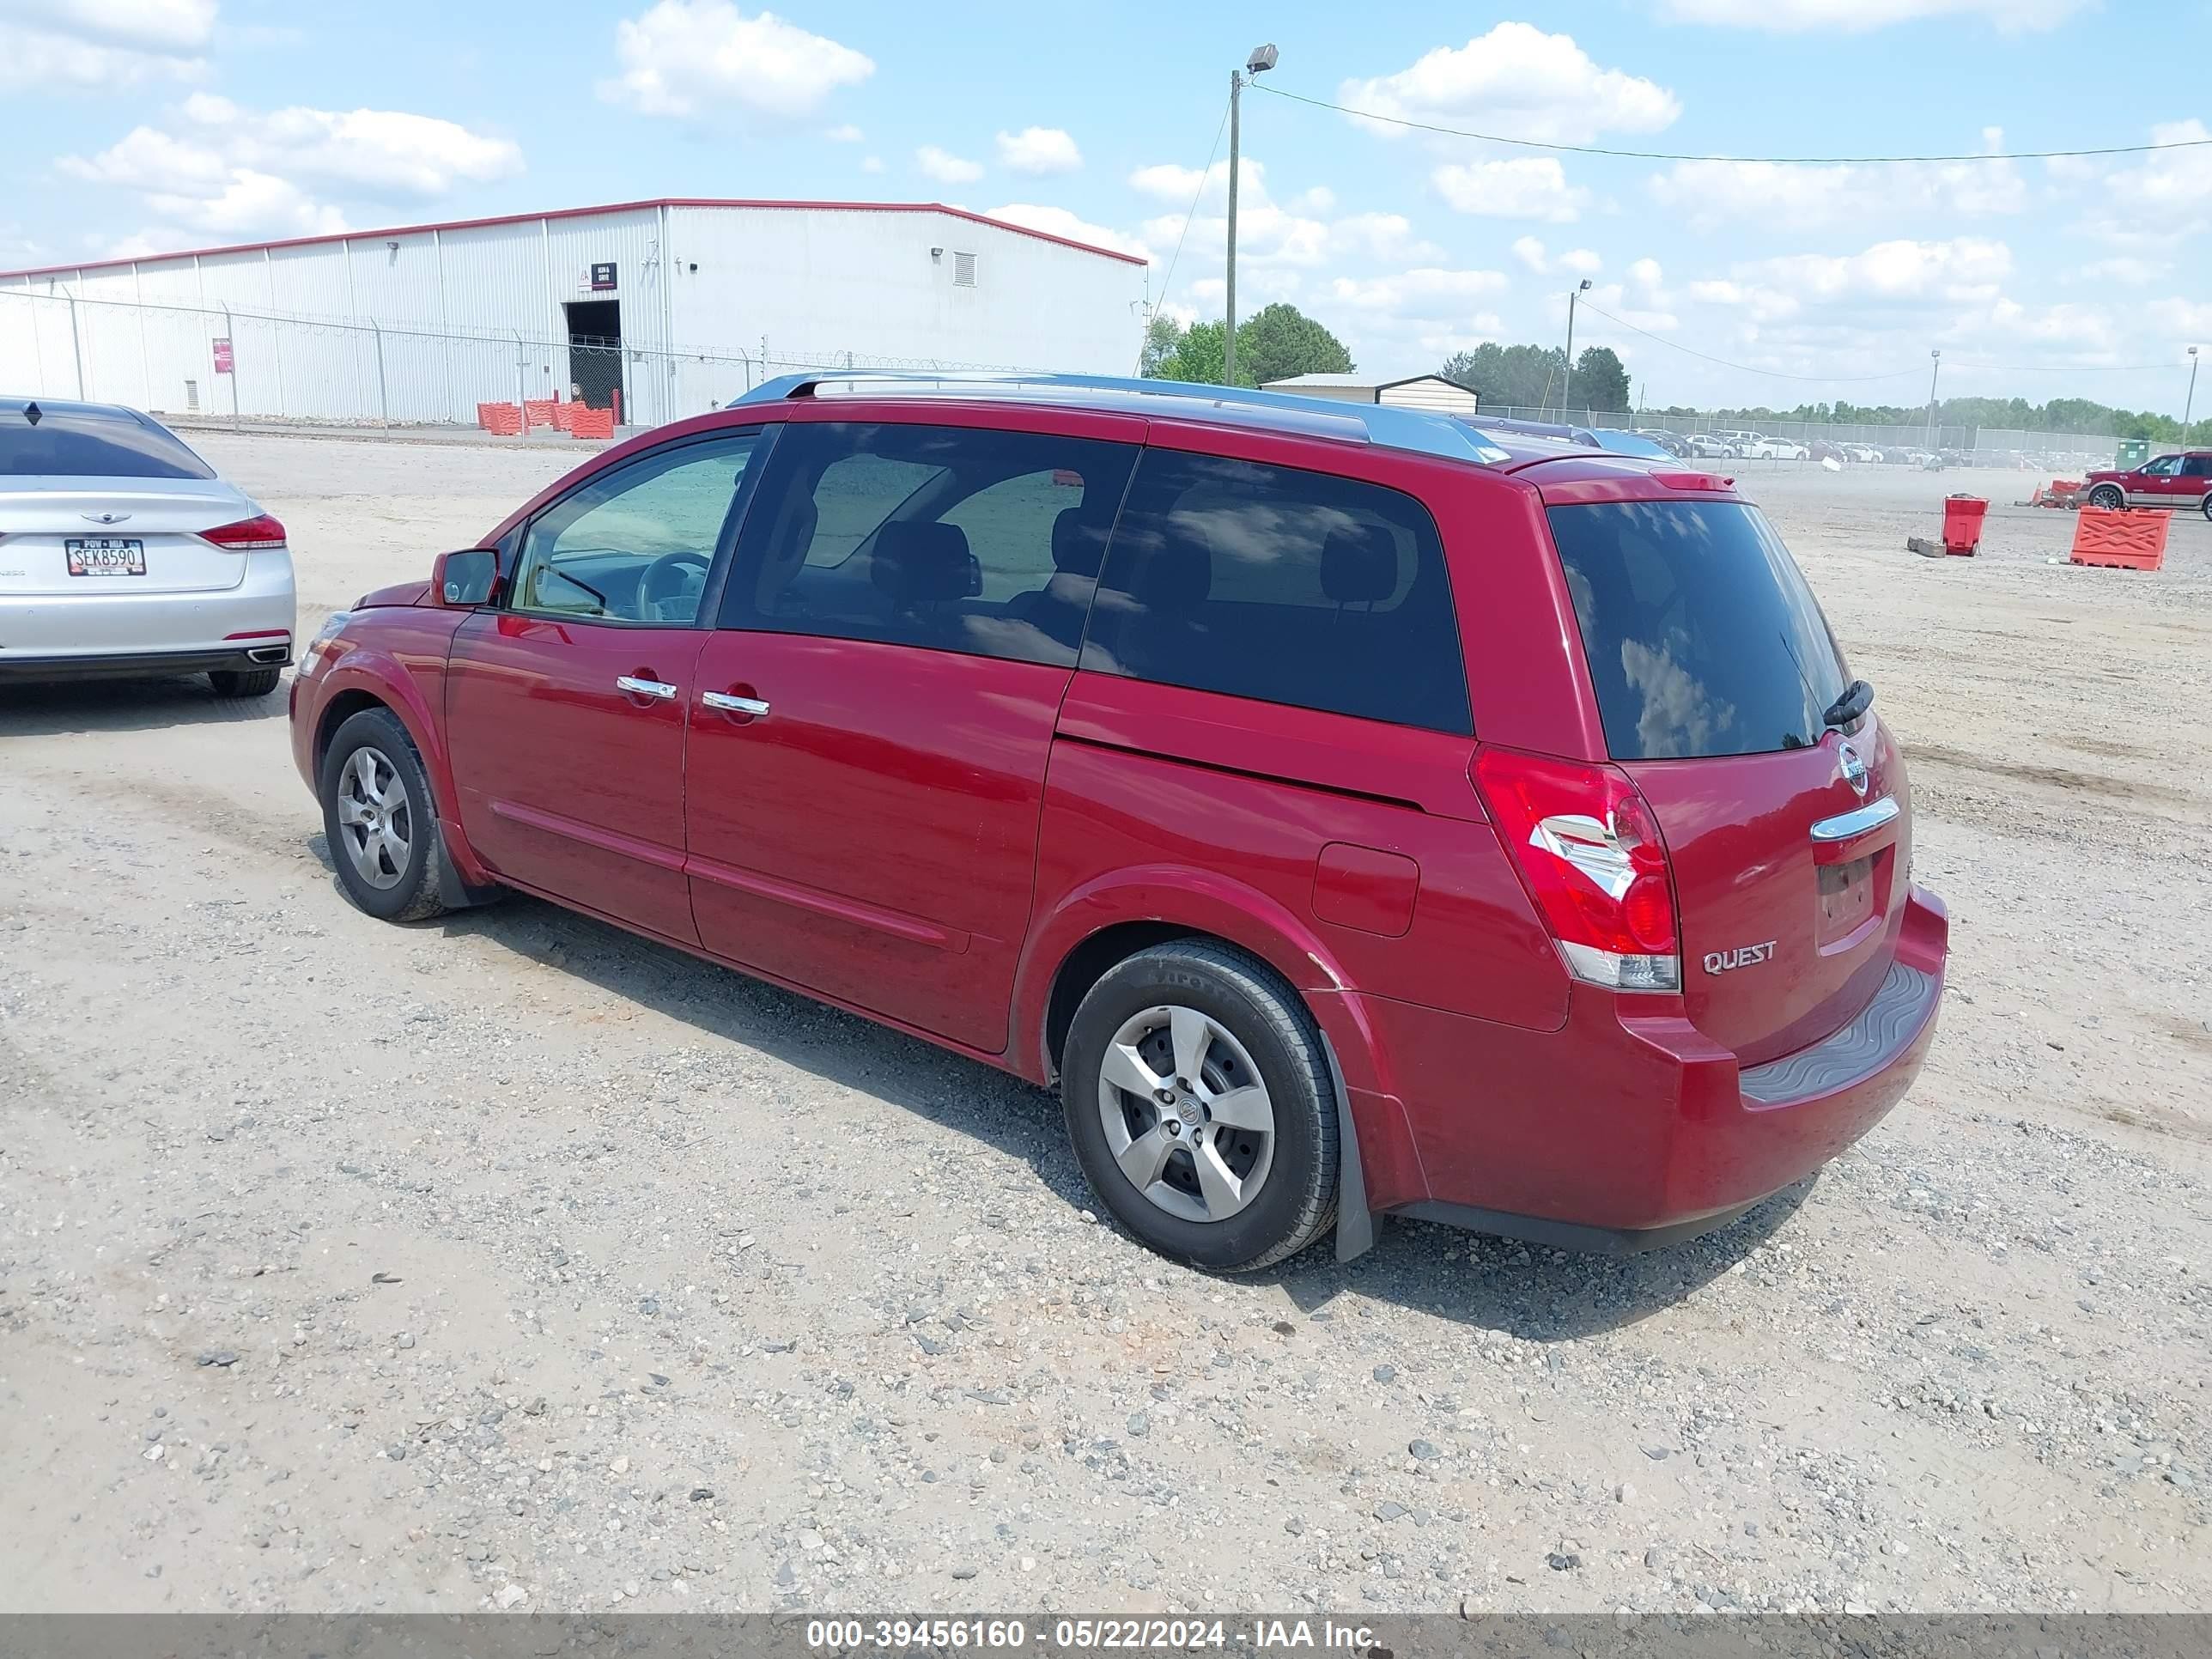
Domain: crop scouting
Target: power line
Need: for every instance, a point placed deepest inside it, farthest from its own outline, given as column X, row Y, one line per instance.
column 1852, row 380
column 1196, row 196
column 1773, row 160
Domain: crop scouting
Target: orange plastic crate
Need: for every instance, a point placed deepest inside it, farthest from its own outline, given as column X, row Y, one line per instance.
column 2120, row 539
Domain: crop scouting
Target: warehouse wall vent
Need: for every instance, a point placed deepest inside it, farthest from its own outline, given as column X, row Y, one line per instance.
column 964, row 269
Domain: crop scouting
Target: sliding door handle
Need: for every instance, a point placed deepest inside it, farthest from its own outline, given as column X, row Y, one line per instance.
column 730, row 703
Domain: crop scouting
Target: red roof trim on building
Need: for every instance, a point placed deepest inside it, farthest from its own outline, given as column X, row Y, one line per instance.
column 582, row 213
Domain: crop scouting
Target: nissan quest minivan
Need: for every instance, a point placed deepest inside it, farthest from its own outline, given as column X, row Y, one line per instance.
column 1352, row 811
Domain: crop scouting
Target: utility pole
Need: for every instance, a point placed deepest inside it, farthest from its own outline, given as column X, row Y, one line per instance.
column 2189, row 407
column 1937, row 368
column 1261, row 60
column 1566, row 391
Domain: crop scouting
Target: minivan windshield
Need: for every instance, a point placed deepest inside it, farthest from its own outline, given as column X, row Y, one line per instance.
column 1702, row 635
column 70, row 444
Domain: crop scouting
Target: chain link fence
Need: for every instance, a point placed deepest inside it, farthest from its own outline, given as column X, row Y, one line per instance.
column 230, row 364
column 1988, row 446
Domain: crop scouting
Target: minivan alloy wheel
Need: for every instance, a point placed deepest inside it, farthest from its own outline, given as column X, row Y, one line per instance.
column 375, row 819
column 1187, row 1116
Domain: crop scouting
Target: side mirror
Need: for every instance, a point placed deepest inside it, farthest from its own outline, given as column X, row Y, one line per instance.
column 464, row 579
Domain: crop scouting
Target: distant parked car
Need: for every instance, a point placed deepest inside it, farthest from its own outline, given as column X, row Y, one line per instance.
column 123, row 555
column 1863, row 453
column 1673, row 442
column 2175, row 480
column 1705, row 446
column 1822, row 450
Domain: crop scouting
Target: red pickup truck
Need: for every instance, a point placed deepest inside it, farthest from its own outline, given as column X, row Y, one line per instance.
column 2179, row 481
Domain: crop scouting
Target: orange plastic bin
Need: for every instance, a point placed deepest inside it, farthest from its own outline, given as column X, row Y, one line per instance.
column 1962, row 523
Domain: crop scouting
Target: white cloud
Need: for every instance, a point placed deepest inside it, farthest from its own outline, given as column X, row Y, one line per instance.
column 1267, row 233
column 1646, row 275
column 1526, row 187
column 237, row 171
column 1319, row 199
column 1530, row 253
column 1059, row 222
column 1857, row 17
column 706, row 58
column 1520, row 83
column 1581, row 262
column 1428, row 292
column 2124, row 269
column 2151, row 201
column 946, row 168
column 1803, row 198
column 872, row 164
column 103, row 44
column 1963, row 268
column 1039, row 149
column 846, row 134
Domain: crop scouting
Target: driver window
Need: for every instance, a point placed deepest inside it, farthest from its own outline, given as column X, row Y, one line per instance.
column 2161, row 467
column 636, row 545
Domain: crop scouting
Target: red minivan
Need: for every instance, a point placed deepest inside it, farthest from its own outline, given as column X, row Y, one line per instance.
column 1355, row 812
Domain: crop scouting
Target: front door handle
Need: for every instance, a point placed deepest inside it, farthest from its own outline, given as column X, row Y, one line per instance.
column 730, row 703
column 638, row 686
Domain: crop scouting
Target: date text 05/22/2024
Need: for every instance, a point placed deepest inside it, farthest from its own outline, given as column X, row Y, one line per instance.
column 1067, row 1635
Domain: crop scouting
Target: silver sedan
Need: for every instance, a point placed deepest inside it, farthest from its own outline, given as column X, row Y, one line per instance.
column 122, row 554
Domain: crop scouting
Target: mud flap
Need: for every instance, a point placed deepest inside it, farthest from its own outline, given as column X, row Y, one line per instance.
column 1355, row 1222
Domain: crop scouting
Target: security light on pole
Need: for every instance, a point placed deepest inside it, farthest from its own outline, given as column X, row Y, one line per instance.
column 1261, row 60
column 1936, row 369
column 1567, row 392
column 2188, row 407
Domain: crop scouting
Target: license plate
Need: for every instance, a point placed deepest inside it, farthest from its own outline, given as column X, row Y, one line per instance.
column 1846, row 896
column 105, row 555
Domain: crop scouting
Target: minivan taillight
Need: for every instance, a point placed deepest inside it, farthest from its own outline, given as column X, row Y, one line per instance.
column 1589, row 851
column 246, row 535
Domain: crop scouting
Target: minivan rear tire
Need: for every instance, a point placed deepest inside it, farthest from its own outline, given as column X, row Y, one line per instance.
column 1251, row 1018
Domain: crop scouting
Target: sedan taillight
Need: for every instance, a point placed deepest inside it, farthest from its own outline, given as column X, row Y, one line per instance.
column 246, row 535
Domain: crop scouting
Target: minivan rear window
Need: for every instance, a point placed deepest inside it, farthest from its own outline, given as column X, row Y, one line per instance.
column 63, row 445
column 1702, row 635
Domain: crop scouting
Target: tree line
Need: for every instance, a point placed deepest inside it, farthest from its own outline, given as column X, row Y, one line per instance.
column 1279, row 341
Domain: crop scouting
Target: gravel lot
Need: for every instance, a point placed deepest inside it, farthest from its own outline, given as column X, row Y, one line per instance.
column 512, row 1261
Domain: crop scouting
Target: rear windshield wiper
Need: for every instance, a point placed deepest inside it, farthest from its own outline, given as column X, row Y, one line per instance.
column 1857, row 698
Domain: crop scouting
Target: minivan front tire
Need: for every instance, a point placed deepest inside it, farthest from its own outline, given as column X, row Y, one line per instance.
column 1200, row 1103
column 378, row 819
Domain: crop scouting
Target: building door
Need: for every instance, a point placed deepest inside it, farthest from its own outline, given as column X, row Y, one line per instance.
column 595, row 360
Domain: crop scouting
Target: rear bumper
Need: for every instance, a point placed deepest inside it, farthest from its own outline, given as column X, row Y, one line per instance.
column 1627, row 1131
column 246, row 658
column 115, row 623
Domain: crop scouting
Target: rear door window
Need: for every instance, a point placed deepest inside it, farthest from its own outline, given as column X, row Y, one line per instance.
column 1281, row 584
column 1702, row 635
column 65, row 444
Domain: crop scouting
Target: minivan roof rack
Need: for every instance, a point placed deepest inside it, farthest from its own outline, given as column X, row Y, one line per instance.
column 1383, row 424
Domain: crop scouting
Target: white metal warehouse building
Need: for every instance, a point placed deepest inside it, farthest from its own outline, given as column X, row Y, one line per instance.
column 676, row 304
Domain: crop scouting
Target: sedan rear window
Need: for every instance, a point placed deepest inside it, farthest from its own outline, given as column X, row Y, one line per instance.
column 70, row 445
column 1702, row 635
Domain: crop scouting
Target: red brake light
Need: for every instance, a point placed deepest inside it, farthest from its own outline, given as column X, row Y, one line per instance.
column 1693, row 481
column 1590, row 853
column 247, row 534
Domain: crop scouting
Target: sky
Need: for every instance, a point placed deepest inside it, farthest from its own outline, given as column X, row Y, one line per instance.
column 141, row 126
